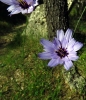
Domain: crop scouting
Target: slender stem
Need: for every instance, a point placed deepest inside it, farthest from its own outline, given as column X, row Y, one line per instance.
column 79, row 19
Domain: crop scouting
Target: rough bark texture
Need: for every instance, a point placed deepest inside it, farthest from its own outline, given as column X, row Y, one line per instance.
column 56, row 15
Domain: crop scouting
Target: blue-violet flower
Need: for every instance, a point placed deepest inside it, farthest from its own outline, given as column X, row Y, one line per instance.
column 23, row 6
column 62, row 50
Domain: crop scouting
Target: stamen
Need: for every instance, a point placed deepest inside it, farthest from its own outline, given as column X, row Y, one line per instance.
column 23, row 4
column 61, row 52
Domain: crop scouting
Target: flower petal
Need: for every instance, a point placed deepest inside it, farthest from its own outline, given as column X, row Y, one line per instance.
column 64, row 43
column 10, row 8
column 35, row 2
column 60, row 34
column 14, row 12
column 68, row 65
column 49, row 50
column 30, row 9
column 57, row 43
column 24, row 11
column 13, row 8
column 45, row 42
column 77, row 46
column 68, row 34
column 71, row 44
column 53, row 62
column 73, row 57
column 54, row 55
column 8, row 2
column 44, row 55
column 65, row 59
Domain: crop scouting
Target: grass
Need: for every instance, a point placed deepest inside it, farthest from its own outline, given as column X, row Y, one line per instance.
column 23, row 76
column 39, row 81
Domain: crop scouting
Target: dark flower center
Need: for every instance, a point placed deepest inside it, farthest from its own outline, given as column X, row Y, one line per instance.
column 23, row 4
column 62, row 52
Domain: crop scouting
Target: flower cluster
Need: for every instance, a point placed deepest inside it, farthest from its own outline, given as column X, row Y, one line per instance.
column 62, row 50
column 23, row 6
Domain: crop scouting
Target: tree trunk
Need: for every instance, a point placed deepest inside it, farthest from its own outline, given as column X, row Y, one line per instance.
column 56, row 16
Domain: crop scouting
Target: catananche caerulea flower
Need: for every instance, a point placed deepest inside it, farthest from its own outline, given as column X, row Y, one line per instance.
column 62, row 50
column 23, row 6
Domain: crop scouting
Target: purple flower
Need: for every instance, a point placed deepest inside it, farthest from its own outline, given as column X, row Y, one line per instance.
column 23, row 6
column 62, row 50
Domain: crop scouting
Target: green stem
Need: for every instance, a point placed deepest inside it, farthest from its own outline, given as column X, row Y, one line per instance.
column 79, row 19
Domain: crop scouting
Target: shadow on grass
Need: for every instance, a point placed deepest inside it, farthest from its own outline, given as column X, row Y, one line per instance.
column 7, row 23
column 11, row 28
column 18, row 40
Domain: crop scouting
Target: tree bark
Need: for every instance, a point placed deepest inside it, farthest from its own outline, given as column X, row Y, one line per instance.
column 56, row 16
